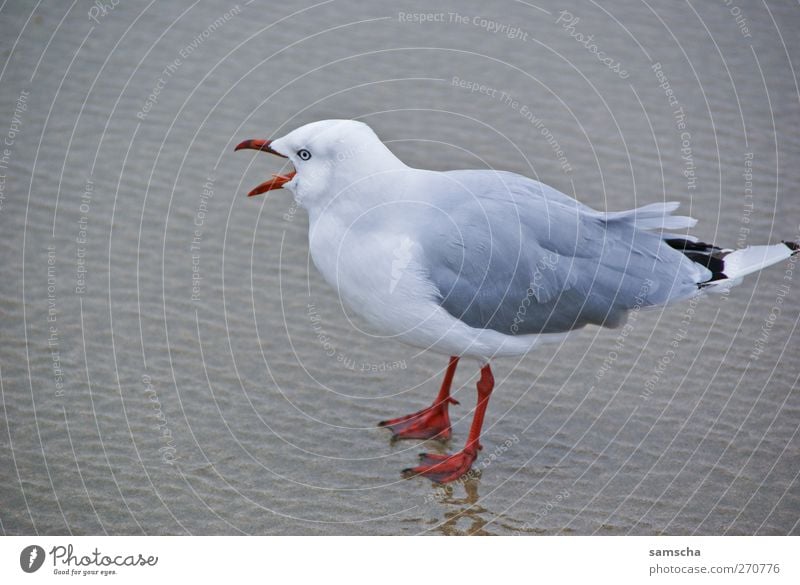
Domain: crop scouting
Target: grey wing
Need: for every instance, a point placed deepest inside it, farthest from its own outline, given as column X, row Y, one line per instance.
column 521, row 258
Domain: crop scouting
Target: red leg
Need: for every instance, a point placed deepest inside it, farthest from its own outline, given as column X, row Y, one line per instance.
column 446, row 468
column 430, row 422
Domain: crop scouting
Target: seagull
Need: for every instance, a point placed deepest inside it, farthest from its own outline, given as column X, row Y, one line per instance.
column 482, row 263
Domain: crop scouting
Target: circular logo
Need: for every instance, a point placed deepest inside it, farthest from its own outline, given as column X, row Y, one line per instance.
column 31, row 558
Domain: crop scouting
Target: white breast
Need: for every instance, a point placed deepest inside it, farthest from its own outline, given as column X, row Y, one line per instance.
column 375, row 273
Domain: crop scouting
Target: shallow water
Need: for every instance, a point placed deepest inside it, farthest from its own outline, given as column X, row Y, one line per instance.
column 172, row 363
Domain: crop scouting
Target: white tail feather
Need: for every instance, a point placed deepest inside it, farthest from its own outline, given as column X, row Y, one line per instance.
column 739, row 263
column 748, row 260
column 655, row 217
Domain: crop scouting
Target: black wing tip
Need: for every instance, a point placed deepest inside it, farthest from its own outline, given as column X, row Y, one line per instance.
column 793, row 246
column 684, row 245
column 704, row 254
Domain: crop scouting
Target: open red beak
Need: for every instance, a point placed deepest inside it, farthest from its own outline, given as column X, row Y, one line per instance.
column 277, row 181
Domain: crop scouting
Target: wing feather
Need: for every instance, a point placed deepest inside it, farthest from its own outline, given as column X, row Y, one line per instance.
column 520, row 257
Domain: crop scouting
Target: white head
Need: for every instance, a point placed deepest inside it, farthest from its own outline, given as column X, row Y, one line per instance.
column 328, row 156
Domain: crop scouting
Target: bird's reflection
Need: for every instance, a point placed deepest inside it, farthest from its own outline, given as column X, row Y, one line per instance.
column 463, row 515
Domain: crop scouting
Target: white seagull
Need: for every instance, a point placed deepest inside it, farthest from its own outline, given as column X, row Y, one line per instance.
column 481, row 263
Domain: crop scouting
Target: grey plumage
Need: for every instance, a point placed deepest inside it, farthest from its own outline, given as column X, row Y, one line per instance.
column 519, row 257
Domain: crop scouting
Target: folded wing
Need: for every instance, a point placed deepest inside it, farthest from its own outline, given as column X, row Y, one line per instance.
column 519, row 257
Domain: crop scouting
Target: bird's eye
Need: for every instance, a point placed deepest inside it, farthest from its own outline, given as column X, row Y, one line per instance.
column 303, row 154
